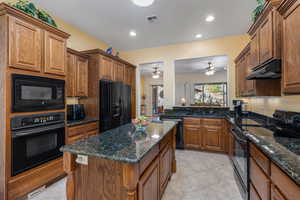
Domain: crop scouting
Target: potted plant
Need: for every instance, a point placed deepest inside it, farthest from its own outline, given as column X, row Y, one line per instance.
column 257, row 11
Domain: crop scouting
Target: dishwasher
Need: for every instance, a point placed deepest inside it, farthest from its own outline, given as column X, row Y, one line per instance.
column 179, row 131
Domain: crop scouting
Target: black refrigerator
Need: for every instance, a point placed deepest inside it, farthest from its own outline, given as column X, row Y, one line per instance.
column 115, row 104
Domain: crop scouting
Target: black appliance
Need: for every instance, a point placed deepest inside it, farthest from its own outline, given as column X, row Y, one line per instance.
column 75, row 112
column 271, row 70
column 238, row 110
column 36, row 139
column 286, row 124
column 239, row 158
column 31, row 93
column 179, row 131
column 115, row 104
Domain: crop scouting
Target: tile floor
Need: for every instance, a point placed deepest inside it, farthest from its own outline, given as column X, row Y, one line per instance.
column 200, row 176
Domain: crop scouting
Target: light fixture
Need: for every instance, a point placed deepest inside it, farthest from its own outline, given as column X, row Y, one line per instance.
column 210, row 70
column 198, row 36
column 156, row 73
column 143, row 3
column 210, row 18
column 132, row 33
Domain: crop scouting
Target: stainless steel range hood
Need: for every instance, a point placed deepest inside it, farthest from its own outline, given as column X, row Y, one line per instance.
column 271, row 70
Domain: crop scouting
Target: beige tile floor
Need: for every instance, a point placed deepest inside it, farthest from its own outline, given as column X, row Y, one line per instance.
column 200, row 176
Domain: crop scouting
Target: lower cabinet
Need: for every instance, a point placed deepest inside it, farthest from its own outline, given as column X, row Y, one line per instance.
column 205, row 134
column 149, row 183
column 269, row 182
column 79, row 132
column 165, row 167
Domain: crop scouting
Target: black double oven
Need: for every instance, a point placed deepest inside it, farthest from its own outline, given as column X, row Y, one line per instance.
column 36, row 138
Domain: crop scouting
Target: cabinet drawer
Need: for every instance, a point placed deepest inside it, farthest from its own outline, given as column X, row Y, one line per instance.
column 260, row 181
column 82, row 129
column 284, row 183
column 260, row 159
column 253, row 194
column 75, row 138
column 192, row 121
column 217, row 122
column 150, row 156
column 92, row 133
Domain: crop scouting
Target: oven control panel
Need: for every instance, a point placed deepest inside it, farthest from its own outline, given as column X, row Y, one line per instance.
column 29, row 121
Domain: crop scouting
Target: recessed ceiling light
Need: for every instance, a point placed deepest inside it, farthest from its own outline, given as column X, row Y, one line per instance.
column 198, row 36
column 132, row 33
column 210, row 18
column 143, row 3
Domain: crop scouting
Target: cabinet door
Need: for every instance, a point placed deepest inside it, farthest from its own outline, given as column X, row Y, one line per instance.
column 106, row 68
column 254, row 50
column 266, row 42
column 240, row 78
column 25, row 45
column 212, row 138
column 291, row 51
column 118, row 72
column 149, row 183
column 127, row 75
column 82, row 77
column 133, row 92
column 275, row 194
column 192, row 137
column 55, row 54
column 71, row 75
column 164, row 167
column 250, row 84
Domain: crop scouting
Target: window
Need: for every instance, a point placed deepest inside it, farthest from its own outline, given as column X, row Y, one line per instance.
column 210, row 94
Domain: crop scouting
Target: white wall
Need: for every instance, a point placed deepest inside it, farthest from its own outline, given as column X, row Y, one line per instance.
column 189, row 79
column 148, row 82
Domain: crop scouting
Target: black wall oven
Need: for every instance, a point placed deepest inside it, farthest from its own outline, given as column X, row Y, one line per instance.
column 36, row 139
column 31, row 93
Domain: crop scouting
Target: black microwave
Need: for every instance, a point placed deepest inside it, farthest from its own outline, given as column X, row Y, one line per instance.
column 32, row 93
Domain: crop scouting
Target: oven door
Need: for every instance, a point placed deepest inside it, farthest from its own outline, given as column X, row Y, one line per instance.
column 31, row 93
column 240, row 161
column 33, row 147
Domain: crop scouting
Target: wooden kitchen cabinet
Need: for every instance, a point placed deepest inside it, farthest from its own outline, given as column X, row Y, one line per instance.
column 118, row 69
column 254, row 50
column 276, row 194
column 148, row 185
column 265, row 35
column 290, row 11
column 106, row 70
column 213, row 138
column 25, row 45
column 192, row 137
column 128, row 75
column 240, row 77
column 75, row 133
column 205, row 134
column 77, row 76
column 55, row 54
column 165, row 167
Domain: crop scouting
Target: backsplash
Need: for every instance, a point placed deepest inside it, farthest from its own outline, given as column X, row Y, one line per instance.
column 267, row 105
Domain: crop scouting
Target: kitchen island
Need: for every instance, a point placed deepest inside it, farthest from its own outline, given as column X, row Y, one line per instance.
column 122, row 164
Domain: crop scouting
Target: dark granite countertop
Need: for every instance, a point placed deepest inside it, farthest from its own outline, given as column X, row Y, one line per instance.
column 122, row 144
column 283, row 151
column 80, row 122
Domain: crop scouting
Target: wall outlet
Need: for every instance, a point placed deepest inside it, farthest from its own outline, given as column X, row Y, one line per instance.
column 83, row 160
column 36, row 192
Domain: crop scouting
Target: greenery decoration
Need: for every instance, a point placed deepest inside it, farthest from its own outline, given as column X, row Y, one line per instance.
column 256, row 12
column 29, row 8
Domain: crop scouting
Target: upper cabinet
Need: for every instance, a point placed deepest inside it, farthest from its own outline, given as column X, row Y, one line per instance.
column 246, row 88
column 25, row 45
column 106, row 68
column 266, row 36
column 55, row 54
column 77, row 74
column 33, row 45
column 290, row 11
column 118, row 69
